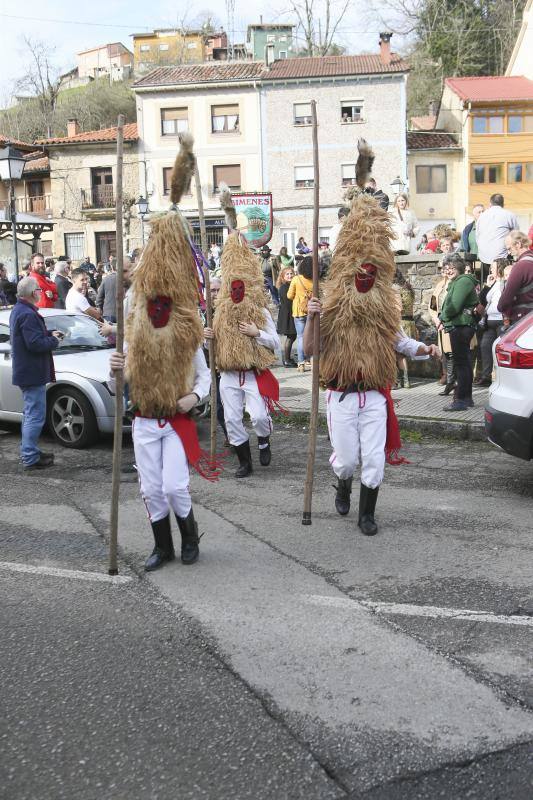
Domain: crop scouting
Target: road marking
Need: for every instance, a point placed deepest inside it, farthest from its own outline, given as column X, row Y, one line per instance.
column 55, row 572
column 435, row 612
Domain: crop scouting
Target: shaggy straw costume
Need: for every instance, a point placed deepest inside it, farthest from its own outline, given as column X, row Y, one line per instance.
column 244, row 360
column 360, row 335
column 165, row 364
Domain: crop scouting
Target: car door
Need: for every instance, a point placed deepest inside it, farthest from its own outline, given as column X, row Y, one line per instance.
column 10, row 396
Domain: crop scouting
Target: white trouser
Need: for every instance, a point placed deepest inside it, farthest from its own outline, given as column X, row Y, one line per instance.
column 163, row 468
column 235, row 397
column 358, row 431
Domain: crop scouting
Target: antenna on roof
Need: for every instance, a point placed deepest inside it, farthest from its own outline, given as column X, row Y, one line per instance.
column 230, row 13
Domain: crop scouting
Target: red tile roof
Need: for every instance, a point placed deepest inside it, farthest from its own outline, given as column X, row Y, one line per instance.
column 423, row 123
column 332, row 66
column 104, row 135
column 427, row 140
column 5, row 140
column 37, row 162
column 202, row 73
column 492, row 89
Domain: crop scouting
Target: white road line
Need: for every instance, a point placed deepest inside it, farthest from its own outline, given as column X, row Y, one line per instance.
column 408, row 610
column 55, row 572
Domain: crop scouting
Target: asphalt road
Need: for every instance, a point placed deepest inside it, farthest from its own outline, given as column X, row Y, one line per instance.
column 291, row 661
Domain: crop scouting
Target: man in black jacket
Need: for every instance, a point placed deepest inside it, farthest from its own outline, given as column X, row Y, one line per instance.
column 62, row 282
column 377, row 194
column 8, row 290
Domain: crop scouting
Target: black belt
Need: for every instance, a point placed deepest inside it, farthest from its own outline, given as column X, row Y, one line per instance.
column 411, row 319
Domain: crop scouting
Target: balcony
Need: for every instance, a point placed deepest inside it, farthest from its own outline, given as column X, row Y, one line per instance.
column 98, row 202
column 40, row 205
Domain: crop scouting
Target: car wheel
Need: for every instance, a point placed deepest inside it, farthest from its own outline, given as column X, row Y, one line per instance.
column 71, row 419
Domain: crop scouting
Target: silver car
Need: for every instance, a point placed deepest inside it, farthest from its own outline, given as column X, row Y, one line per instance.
column 80, row 404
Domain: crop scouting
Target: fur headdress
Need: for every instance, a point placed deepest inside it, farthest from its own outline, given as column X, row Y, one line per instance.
column 359, row 330
column 164, row 330
column 234, row 350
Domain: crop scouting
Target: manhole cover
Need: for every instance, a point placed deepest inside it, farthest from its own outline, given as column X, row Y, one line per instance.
column 292, row 392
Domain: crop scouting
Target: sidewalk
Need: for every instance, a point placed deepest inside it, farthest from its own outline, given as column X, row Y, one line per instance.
column 419, row 408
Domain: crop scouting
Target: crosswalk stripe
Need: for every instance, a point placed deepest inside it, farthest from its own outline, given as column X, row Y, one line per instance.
column 56, row 572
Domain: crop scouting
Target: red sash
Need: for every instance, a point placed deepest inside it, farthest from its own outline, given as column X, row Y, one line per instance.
column 393, row 442
column 268, row 387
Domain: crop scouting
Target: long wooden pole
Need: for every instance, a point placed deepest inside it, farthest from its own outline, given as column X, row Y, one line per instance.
column 119, row 391
column 209, row 310
column 313, row 422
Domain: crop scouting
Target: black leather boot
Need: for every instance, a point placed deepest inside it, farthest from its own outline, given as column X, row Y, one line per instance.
column 189, row 538
column 265, row 454
column 164, row 548
column 245, row 460
column 342, row 498
column 367, row 506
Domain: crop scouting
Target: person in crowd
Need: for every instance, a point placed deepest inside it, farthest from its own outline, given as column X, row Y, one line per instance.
column 433, row 243
column 404, row 225
column 87, row 264
column 336, row 229
column 76, row 300
column 33, row 367
column 469, row 235
column 299, row 293
column 436, row 302
column 25, row 270
column 516, row 298
column 491, row 319
column 422, row 244
column 457, row 318
column 214, row 252
column 62, row 282
column 284, row 259
column 377, row 194
column 49, row 264
column 446, row 245
column 8, row 289
column 106, row 299
column 324, row 259
column 492, row 228
column 267, row 269
column 302, row 247
column 48, row 298
column 285, row 325
column 406, row 297
column 214, row 288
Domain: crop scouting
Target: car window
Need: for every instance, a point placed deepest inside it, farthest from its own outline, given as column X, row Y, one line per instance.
column 79, row 329
column 4, row 334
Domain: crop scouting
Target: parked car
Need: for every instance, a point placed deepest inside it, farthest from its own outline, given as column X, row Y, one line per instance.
column 80, row 404
column 509, row 414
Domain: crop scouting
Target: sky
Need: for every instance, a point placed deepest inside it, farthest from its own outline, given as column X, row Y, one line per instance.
column 69, row 28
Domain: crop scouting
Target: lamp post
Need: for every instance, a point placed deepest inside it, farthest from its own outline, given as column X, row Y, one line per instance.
column 397, row 185
column 12, row 165
column 142, row 210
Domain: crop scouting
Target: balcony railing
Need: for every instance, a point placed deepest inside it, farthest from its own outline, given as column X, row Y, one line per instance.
column 39, row 205
column 98, row 197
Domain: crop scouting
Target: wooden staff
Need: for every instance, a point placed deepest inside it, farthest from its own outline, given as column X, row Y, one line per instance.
column 313, row 422
column 119, row 376
column 209, row 310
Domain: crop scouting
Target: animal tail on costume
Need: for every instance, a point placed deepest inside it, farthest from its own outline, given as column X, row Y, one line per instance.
column 183, row 169
column 393, row 441
column 365, row 160
column 269, row 390
column 226, row 204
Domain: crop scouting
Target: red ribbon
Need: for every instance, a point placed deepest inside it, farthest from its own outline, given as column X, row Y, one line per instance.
column 269, row 390
column 393, row 442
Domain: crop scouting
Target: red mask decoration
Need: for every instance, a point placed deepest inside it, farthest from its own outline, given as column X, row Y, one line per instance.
column 159, row 309
column 365, row 281
column 237, row 291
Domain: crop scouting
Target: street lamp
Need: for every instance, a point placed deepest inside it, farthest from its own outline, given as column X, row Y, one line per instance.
column 12, row 165
column 397, row 185
column 142, row 210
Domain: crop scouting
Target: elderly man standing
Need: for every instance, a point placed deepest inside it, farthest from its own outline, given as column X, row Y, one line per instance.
column 492, row 227
column 62, row 282
column 33, row 368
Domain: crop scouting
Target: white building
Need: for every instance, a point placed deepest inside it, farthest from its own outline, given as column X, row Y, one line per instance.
column 521, row 61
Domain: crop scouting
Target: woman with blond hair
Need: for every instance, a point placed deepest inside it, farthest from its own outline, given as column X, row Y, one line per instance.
column 285, row 326
column 404, row 225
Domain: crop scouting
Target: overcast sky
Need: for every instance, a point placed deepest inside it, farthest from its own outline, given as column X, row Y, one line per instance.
column 69, row 28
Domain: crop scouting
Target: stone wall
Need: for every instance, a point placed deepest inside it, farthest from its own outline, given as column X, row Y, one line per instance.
column 422, row 272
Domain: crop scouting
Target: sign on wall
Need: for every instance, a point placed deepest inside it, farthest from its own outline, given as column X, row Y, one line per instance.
column 254, row 216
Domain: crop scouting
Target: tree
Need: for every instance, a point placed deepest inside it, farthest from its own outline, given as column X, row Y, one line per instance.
column 318, row 37
column 41, row 80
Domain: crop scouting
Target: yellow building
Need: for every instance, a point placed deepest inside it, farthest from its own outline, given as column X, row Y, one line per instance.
column 494, row 117
column 168, row 47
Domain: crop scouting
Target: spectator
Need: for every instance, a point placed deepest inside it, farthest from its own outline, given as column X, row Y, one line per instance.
column 62, row 283
column 8, row 290
column 48, row 298
column 33, row 368
column 324, row 259
column 285, row 260
column 336, row 229
column 285, row 326
column 443, row 339
column 492, row 228
column 517, row 297
column 433, row 245
column 76, row 300
column 446, row 245
column 302, row 247
column 404, row 225
column 87, row 264
column 214, row 252
column 491, row 318
column 457, row 319
column 268, row 273
column 49, row 265
column 422, row 244
column 106, row 299
column 377, row 194
column 406, row 298
column 300, row 292
column 469, row 236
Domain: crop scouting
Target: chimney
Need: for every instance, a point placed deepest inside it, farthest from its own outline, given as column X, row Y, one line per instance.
column 384, row 48
column 72, row 128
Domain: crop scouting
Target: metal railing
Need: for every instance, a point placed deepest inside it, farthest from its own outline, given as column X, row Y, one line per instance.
column 98, row 197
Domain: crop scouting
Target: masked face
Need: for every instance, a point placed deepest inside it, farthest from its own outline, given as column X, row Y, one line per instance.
column 237, row 291
column 159, row 309
column 364, row 281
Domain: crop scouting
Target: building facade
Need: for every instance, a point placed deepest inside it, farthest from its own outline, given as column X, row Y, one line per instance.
column 113, row 60
column 521, row 61
column 167, row 46
column 435, row 162
column 270, row 42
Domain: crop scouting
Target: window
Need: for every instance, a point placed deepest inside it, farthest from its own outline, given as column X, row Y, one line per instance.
column 302, row 113
column 283, row 54
column 225, row 119
column 431, row 179
column 289, row 237
column 145, row 48
column 75, row 246
column 520, row 173
column 174, row 121
column 352, row 111
column 192, row 45
column 304, row 177
column 487, row 173
column 520, row 123
column 487, row 124
column 164, row 46
column 229, row 174
column 282, row 38
column 324, row 234
column 271, row 38
column 348, row 174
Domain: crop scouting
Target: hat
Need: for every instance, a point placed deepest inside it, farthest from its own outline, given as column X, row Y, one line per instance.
column 265, row 249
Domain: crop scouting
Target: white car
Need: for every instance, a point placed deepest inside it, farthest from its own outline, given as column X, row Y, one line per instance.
column 509, row 414
column 80, row 404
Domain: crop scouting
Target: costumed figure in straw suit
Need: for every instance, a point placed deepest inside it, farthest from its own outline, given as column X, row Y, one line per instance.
column 167, row 373
column 360, row 336
column 245, row 341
